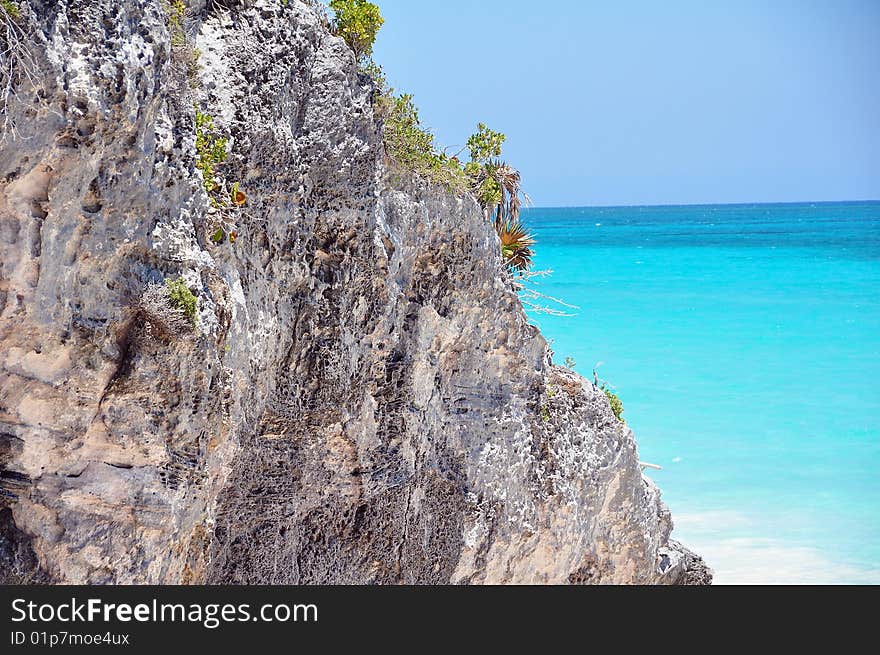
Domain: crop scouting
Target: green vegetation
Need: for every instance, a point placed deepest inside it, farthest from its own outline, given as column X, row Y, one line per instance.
column 545, row 413
column 225, row 198
column 516, row 245
column 210, row 143
column 176, row 10
column 220, row 234
column 615, row 402
column 570, row 363
column 358, row 22
column 407, row 143
column 485, row 144
column 184, row 56
column 182, row 298
column 10, row 8
column 495, row 184
column 210, row 151
column 412, row 146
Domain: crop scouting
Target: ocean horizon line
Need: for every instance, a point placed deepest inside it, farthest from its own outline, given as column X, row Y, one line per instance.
column 709, row 204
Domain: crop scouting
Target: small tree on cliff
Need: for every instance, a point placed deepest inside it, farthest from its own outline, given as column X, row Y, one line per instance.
column 496, row 185
column 358, row 22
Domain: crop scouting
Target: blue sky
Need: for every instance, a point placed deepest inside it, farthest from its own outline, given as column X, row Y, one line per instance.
column 626, row 103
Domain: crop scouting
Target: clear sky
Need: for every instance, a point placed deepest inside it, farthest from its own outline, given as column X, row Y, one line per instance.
column 623, row 102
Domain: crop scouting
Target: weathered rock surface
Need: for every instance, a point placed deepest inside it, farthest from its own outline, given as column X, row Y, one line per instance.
column 364, row 400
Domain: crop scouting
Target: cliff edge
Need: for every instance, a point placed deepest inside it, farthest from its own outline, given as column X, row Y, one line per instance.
column 362, row 398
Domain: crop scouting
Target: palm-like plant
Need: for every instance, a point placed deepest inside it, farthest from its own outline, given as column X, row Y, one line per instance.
column 507, row 180
column 496, row 185
column 516, row 244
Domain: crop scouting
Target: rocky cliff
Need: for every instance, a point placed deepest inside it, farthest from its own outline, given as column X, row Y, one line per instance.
column 363, row 399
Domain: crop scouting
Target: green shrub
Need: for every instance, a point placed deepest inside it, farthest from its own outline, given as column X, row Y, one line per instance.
column 485, row 144
column 495, row 185
column 184, row 55
column 182, row 298
column 615, row 402
column 10, row 8
column 176, row 11
column 485, row 188
column 210, row 151
column 358, row 22
column 412, row 146
column 407, row 142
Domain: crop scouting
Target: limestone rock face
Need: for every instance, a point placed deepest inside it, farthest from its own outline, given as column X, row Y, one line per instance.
column 363, row 399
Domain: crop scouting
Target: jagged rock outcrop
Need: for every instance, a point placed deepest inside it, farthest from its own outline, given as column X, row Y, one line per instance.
column 364, row 399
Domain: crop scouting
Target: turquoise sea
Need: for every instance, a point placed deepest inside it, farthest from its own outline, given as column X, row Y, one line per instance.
column 744, row 341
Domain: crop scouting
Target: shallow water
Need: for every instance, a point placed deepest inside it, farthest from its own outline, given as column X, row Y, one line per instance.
column 744, row 341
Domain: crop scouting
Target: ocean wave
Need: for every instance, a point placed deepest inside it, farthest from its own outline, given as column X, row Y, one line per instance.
column 750, row 560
